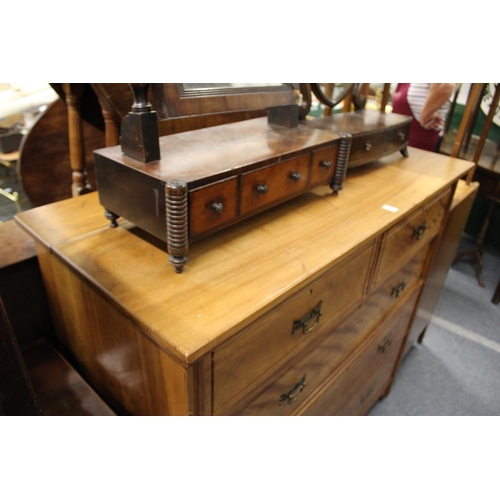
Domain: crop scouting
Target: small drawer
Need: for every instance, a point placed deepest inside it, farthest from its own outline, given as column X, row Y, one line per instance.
column 397, row 138
column 268, row 185
column 362, row 381
column 323, row 165
column 401, row 242
column 247, row 359
column 366, row 148
column 212, row 206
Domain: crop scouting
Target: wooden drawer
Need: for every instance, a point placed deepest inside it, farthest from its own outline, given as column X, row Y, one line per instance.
column 268, row 185
column 362, row 381
column 214, row 206
column 367, row 147
column 397, row 138
column 323, row 165
column 246, row 360
column 401, row 242
column 323, row 360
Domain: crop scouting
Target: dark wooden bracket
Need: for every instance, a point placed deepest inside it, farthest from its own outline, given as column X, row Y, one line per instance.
column 139, row 129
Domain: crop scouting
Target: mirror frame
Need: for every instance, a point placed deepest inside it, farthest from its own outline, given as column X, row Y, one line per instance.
column 172, row 100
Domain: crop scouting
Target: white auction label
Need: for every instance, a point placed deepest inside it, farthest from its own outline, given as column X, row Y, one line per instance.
column 390, row 208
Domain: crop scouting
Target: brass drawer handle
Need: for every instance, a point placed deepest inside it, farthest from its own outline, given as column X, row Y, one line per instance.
column 398, row 290
column 295, row 176
column 262, row 189
column 384, row 346
column 217, row 207
column 325, row 164
column 294, row 392
column 419, row 231
column 368, row 146
column 306, row 319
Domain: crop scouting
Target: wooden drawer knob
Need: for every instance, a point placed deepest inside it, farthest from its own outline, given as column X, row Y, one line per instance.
column 217, row 207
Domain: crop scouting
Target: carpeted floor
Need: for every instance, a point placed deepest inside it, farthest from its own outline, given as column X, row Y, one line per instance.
column 456, row 370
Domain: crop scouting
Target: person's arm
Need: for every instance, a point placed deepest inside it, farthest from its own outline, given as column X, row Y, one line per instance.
column 439, row 93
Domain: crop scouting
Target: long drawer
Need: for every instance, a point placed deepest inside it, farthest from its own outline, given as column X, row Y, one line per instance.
column 307, row 374
column 247, row 359
column 360, row 383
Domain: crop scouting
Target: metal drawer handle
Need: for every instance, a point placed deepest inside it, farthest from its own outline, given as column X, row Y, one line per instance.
column 295, row 176
column 294, row 392
column 217, row 207
column 384, row 346
column 419, row 231
column 262, row 189
column 402, row 136
column 368, row 146
column 325, row 164
column 398, row 290
column 306, row 319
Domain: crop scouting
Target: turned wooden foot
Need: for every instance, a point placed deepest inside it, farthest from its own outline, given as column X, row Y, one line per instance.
column 112, row 217
column 404, row 151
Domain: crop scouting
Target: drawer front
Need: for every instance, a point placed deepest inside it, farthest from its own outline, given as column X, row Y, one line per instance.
column 250, row 357
column 360, row 383
column 402, row 242
column 323, row 360
column 366, row 148
column 212, row 206
column 323, row 165
column 270, row 184
column 397, row 138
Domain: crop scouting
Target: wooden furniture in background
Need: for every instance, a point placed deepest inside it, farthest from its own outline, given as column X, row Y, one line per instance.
column 486, row 172
column 17, row 397
column 34, row 377
column 21, row 285
column 303, row 309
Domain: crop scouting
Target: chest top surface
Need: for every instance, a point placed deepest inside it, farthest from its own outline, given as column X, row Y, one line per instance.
column 242, row 272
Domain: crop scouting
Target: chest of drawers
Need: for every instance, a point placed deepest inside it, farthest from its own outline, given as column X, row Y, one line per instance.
column 303, row 309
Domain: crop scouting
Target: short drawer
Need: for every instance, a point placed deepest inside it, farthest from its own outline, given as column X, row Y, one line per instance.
column 362, row 381
column 401, row 242
column 267, row 185
column 323, row 165
column 212, row 206
column 397, row 138
column 249, row 358
column 366, row 148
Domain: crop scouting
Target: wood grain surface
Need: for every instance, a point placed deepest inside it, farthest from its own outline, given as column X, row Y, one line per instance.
column 243, row 272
